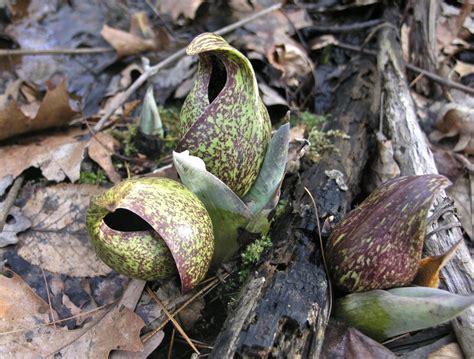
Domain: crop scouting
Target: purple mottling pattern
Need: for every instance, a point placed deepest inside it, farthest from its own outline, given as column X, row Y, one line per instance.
column 378, row 244
column 232, row 133
column 180, row 220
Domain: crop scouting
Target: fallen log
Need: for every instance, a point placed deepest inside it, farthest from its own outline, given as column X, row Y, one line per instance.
column 413, row 155
column 283, row 310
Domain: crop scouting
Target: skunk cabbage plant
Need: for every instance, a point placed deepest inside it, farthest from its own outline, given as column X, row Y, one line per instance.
column 379, row 244
column 226, row 155
column 151, row 228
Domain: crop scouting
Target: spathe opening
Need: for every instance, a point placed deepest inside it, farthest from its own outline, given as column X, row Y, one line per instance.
column 218, row 78
column 126, row 221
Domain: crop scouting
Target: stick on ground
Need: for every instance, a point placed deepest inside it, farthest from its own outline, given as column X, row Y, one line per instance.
column 153, row 70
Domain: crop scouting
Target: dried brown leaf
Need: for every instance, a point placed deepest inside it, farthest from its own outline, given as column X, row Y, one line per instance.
column 54, row 111
column 291, row 59
column 24, row 314
column 456, row 120
column 57, row 156
column 175, row 8
column 126, row 43
column 460, row 193
column 101, row 148
column 447, row 163
column 118, row 329
column 20, row 306
column 341, row 341
column 57, row 240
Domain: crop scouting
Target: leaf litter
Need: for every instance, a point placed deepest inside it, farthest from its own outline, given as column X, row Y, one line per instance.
column 56, row 242
column 26, row 332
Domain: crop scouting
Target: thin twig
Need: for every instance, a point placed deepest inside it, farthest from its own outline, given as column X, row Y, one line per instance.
column 170, row 349
column 201, row 292
column 55, row 51
column 57, row 321
column 175, row 323
column 198, row 343
column 428, row 74
column 335, row 29
column 49, row 298
column 9, row 201
column 153, row 70
column 323, row 256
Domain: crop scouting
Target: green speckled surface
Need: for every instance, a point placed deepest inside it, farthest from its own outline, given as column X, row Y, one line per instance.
column 230, row 134
column 378, row 244
column 177, row 216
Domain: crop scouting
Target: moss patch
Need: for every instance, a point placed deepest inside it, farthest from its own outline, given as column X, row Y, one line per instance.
column 322, row 142
column 97, row 178
column 251, row 255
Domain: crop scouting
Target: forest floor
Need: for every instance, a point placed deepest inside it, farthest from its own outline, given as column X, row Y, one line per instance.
column 73, row 78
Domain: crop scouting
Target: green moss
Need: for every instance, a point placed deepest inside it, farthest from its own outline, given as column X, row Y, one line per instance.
column 280, row 209
column 307, row 119
column 321, row 142
column 251, row 255
column 126, row 139
column 326, row 55
column 98, row 178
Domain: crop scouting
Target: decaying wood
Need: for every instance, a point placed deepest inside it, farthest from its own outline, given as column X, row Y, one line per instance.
column 282, row 311
column 422, row 41
column 413, row 156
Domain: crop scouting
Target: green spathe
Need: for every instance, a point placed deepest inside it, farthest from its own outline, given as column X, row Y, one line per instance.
column 150, row 120
column 228, row 212
column 382, row 314
column 180, row 235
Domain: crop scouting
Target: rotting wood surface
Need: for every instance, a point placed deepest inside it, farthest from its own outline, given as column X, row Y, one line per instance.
column 283, row 309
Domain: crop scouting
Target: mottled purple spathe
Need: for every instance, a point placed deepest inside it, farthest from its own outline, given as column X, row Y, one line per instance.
column 183, row 239
column 230, row 134
column 378, row 244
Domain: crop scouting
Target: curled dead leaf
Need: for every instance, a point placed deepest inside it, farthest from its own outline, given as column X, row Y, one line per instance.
column 456, row 120
column 291, row 59
column 126, row 43
column 53, row 111
column 58, row 156
column 176, row 8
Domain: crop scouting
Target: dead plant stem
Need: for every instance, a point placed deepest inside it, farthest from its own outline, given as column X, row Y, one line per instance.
column 55, row 51
column 175, row 323
column 214, row 282
column 411, row 67
column 323, row 255
column 9, row 201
